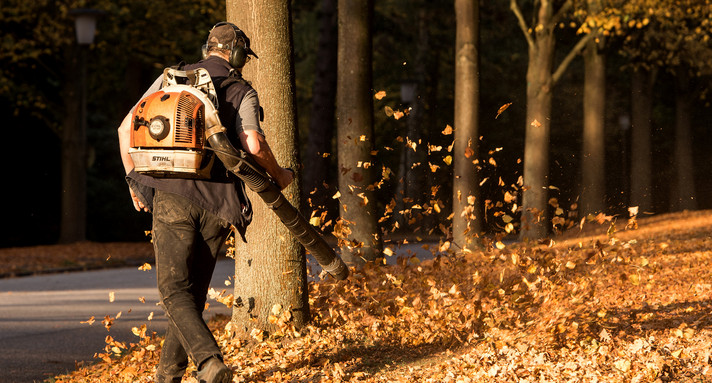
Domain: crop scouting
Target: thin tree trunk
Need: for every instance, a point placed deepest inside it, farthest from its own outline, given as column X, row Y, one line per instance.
column 466, row 221
column 641, row 109
column 594, row 106
column 321, row 123
column 270, row 270
column 355, row 134
column 683, row 197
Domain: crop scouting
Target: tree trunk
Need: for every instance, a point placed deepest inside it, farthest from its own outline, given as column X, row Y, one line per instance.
column 536, row 145
column 355, row 134
column 74, row 158
column 321, row 123
column 270, row 269
column 540, row 82
column 683, row 196
column 641, row 111
column 466, row 221
column 594, row 107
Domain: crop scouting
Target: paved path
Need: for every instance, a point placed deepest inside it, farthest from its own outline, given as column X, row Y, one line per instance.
column 41, row 334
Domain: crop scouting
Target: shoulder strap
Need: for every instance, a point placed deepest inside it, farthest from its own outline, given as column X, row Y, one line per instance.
column 233, row 77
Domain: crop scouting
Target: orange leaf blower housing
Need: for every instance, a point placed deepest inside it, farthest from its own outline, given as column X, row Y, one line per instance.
column 168, row 135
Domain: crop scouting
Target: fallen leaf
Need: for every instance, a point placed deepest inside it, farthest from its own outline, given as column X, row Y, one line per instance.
column 502, row 109
column 89, row 321
column 622, row 364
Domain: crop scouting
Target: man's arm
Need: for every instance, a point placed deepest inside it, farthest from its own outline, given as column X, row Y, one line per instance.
column 124, row 143
column 256, row 144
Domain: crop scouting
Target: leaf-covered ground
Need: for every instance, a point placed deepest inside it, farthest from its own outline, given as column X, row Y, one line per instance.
column 606, row 306
column 22, row 261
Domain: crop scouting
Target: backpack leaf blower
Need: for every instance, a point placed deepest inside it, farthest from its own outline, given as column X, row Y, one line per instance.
column 169, row 131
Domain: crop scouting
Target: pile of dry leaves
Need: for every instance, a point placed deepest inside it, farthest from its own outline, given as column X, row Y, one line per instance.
column 20, row 261
column 613, row 306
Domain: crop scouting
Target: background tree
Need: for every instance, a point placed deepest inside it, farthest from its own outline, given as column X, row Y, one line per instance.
column 270, row 270
column 466, row 197
column 641, row 185
column 593, row 164
column 541, row 79
column 37, row 36
column 683, row 196
column 317, row 157
column 355, row 134
column 673, row 36
column 690, row 57
column 418, row 93
column 36, row 74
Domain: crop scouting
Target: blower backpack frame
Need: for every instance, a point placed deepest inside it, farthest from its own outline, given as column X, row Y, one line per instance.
column 175, row 132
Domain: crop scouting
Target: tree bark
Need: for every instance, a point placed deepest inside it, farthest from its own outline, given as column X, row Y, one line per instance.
column 683, row 196
column 321, row 123
column 540, row 82
column 536, row 144
column 355, row 133
column 641, row 111
column 466, row 221
column 270, row 269
column 594, row 107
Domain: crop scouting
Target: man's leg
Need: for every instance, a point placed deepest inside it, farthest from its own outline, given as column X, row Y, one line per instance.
column 177, row 244
column 174, row 359
column 214, row 232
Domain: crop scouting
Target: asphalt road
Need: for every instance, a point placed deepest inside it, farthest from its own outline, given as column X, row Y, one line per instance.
column 41, row 334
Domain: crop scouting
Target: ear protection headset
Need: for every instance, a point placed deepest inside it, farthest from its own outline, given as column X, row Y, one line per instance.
column 238, row 48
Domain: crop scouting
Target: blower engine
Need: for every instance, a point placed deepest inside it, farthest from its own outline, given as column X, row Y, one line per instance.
column 175, row 132
column 168, row 128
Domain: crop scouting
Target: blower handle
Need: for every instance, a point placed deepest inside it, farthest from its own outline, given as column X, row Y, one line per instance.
column 254, row 176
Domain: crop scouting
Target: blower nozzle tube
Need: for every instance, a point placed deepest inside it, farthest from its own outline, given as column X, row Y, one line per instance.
column 239, row 163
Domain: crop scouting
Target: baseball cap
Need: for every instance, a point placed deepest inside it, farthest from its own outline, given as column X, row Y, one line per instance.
column 224, row 34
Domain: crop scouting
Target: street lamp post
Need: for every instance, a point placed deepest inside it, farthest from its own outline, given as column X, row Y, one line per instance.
column 74, row 158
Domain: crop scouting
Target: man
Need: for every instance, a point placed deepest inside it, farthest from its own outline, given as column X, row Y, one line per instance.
column 192, row 218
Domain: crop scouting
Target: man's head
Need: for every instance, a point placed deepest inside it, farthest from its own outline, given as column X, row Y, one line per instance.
column 228, row 40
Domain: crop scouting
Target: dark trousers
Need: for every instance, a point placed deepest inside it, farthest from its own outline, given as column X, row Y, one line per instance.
column 186, row 240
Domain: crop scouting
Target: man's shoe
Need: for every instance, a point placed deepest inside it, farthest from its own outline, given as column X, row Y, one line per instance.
column 165, row 378
column 214, row 371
